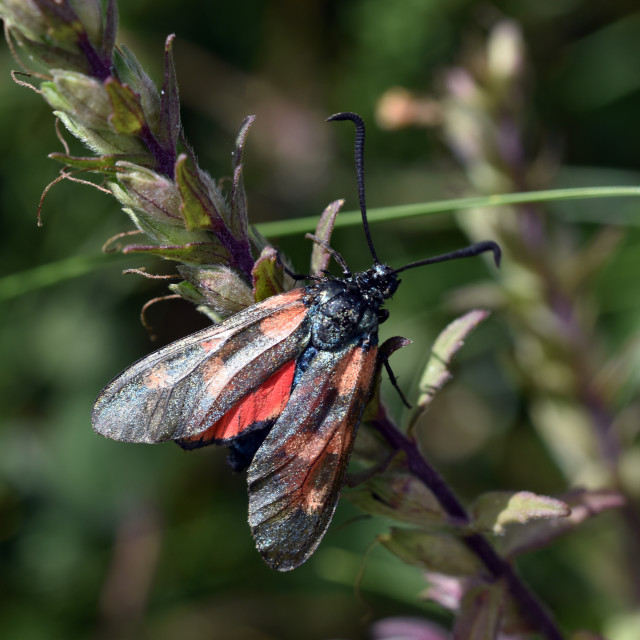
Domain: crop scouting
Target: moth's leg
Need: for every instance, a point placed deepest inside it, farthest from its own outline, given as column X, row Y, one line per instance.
column 394, row 382
column 293, row 274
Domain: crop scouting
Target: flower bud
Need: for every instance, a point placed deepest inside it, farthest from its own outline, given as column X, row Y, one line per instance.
column 103, row 142
column 145, row 190
column 82, row 97
column 221, row 287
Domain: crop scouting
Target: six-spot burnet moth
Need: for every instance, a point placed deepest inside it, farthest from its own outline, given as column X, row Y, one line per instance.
column 283, row 383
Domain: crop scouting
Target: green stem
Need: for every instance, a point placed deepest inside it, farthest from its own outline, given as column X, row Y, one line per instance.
column 45, row 275
column 17, row 284
column 351, row 218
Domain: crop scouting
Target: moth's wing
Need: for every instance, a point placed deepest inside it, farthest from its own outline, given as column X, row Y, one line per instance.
column 185, row 388
column 296, row 476
column 256, row 412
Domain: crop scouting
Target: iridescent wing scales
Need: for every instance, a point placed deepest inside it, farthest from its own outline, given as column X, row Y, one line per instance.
column 297, row 474
column 183, row 389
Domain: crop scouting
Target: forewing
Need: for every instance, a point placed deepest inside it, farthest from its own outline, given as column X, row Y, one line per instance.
column 183, row 389
column 258, row 409
column 296, row 477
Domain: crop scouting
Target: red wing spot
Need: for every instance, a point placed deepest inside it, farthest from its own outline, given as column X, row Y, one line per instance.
column 214, row 375
column 283, row 322
column 263, row 404
column 314, row 498
column 358, row 366
column 157, row 377
column 283, row 298
column 211, row 344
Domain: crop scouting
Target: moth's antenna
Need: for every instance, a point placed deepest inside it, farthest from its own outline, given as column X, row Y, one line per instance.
column 467, row 252
column 359, row 158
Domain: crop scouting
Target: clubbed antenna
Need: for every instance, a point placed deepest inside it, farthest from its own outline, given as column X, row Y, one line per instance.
column 359, row 158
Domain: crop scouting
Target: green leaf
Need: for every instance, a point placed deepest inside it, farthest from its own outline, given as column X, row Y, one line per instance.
column 436, row 374
column 369, row 447
column 131, row 73
column 51, row 57
column 238, row 219
column 110, row 29
column 269, row 277
column 127, row 116
column 104, row 141
column 320, row 257
column 621, row 632
column 169, row 126
column 197, row 207
column 438, row 552
column 89, row 18
column 190, row 253
column 163, row 232
column 372, row 407
column 21, row 18
column 623, row 625
column 102, row 164
column 79, row 95
column 149, row 193
column 480, row 612
column 495, row 510
column 535, row 534
column 64, row 26
column 399, row 496
column 187, row 291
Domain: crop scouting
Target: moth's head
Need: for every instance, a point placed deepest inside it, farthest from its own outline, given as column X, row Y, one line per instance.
column 377, row 283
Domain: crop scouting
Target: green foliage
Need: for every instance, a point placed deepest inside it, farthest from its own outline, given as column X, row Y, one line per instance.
column 495, row 510
column 437, row 552
column 535, row 114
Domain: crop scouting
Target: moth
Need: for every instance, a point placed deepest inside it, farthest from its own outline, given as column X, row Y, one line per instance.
column 283, row 384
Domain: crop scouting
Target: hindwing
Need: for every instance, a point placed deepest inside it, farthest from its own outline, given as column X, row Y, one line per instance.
column 297, row 474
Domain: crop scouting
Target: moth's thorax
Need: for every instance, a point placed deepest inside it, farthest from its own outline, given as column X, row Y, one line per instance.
column 348, row 308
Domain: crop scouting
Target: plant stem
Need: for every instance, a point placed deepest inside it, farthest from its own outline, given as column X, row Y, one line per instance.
column 531, row 607
column 282, row 228
column 18, row 284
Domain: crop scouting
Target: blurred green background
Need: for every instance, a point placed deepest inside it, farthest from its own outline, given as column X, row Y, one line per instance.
column 103, row 539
